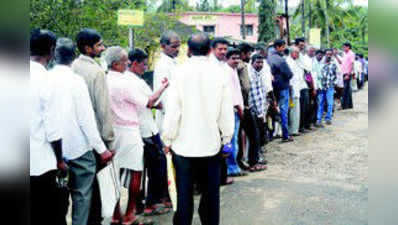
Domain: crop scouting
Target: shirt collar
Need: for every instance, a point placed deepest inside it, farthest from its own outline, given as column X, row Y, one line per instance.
column 168, row 59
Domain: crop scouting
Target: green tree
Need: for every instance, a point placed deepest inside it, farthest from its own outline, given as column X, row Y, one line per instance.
column 266, row 13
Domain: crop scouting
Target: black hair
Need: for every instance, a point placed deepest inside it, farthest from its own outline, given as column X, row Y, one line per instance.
column 42, row 42
column 137, row 55
column 328, row 50
column 319, row 51
column 245, row 48
column 361, row 56
column 231, row 52
column 279, row 43
column 286, row 52
column 199, row 44
column 218, row 41
column 256, row 57
column 298, row 40
column 87, row 37
column 348, row 44
column 65, row 51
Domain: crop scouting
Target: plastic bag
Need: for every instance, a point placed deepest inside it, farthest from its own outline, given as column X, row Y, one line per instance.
column 109, row 185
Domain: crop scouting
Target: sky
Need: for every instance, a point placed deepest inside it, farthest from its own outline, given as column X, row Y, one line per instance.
column 293, row 3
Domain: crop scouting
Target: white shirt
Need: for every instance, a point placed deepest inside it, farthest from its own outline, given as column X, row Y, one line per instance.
column 297, row 82
column 199, row 110
column 45, row 124
column 79, row 127
column 148, row 127
column 306, row 63
column 267, row 76
column 163, row 69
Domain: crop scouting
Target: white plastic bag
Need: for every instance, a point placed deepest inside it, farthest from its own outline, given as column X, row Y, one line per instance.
column 109, row 185
column 171, row 178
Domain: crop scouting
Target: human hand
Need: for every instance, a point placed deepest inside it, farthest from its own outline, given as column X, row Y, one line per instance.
column 166, row 149
column 165, row 82
column 106, row 156
column 63, row 168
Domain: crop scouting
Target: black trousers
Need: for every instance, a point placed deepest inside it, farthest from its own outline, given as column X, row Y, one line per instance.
column 305, row 109
column 156, row 165
column 48, row 204
column 206, row 171
column 347, row 95
column 251, row 128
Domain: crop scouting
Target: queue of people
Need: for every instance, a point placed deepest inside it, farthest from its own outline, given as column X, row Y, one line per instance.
column 215, row 114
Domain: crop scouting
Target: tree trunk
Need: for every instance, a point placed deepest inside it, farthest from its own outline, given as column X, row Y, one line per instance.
column 243, row 26
column 309, row 19
column 327, row 29
column 287, row 21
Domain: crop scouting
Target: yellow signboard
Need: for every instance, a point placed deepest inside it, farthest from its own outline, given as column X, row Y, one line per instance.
column 127, row 17
column 315, row 37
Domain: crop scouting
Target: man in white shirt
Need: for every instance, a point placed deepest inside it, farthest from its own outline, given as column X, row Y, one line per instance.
column 170, row 43
column 298, row 84
column 199, row 120
column 154, row 158
column 218, row 54
column 45, row 133
column 79, row 128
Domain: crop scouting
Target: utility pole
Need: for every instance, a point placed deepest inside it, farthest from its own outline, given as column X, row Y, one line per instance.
column 287, row 21
column 303, row 17
column 242, row 9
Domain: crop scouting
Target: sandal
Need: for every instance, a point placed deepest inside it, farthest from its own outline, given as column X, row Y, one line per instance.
column 241, row 174
column 156, row 210
column 139, row 221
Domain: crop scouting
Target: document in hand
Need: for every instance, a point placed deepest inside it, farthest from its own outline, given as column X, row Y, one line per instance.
column 171, row 178
column 109, row 185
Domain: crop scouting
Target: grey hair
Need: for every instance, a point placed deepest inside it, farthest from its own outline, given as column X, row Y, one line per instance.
column 65, row 51
column 294, row 49
column 114, row 54
column 167, row 36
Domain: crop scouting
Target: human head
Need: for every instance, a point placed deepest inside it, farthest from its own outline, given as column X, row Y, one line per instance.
column 233, row 57
column 260, row 49
column 219, row 48
column 65, row 51
column 170, row 43
column 311, row 52
column 360, row 56
column 199, row 44
column 257, row 62
column 328, row 55
column 116, row 59
column 89, row 42
column 300, row 43
column 138, row 61
column 319, row 54
column 280, row 45
column 42, row 44
column 347, row 47
column 245, row 52
column 295, row 52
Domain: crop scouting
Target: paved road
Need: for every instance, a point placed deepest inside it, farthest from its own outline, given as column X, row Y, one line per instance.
column 320, row 179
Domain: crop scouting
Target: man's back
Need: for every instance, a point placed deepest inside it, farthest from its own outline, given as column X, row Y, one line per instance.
column 198, row 109
column 280, row 70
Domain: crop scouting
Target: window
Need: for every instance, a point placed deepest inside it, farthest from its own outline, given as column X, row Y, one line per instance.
column 249, row 30
column 209, row 30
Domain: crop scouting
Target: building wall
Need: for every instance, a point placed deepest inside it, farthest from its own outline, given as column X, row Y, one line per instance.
column 226, row 24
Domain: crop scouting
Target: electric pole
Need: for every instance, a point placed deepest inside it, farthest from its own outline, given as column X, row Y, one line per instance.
column 243, row 28
column 287, row 22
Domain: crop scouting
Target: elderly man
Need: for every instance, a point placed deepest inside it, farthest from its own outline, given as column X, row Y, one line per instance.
column 170, row 43
column 90, row 45
column 154, row 158
column 199, row 120
column 80, row 133
column 45, row 134
column 347, row 68
column 126, row 104
column 298, row 84
column 282, row 75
